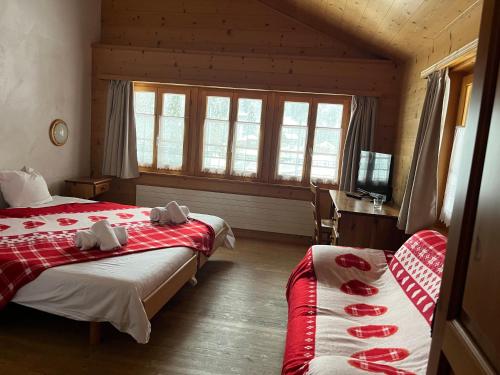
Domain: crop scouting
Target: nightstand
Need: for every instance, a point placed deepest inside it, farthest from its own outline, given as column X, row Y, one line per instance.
column 87, row 187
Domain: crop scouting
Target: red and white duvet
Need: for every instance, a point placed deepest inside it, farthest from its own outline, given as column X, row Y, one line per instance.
column 361, row 311
column 33, row 240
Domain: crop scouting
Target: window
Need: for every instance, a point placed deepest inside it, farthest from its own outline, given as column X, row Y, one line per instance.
column 247, row 137
column 215, row 134
column 161, row 117
column 252, row 135
column 232, row 133
column 327, row 143
column 311, row 138
column 145, row 104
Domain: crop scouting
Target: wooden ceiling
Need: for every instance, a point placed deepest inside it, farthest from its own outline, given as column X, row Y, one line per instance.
column 394, row 29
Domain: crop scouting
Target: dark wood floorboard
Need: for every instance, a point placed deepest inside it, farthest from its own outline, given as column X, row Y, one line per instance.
column 232, row 322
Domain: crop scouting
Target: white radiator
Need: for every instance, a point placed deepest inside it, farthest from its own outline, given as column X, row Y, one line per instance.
column 240, row 211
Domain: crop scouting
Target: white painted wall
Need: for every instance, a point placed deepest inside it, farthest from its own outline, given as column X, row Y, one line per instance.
column 45, row 73
column 240, row 211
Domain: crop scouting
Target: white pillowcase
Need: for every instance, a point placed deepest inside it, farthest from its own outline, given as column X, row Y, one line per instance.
column 24, row 188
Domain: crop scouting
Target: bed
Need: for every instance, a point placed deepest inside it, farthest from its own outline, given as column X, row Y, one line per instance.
column 124, row 290
column 360, row 311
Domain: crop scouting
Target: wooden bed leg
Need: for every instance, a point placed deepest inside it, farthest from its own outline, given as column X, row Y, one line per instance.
column 95, row 333
column 193, row 281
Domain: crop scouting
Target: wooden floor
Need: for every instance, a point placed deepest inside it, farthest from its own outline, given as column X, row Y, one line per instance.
column 232, row 322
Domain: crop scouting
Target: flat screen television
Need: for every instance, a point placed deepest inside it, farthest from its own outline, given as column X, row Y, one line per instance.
column 375, row 174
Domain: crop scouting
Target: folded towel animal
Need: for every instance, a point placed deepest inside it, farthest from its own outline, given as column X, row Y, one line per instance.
column 176, row 214
column 105, row 235
column 87, row 239
column 164, row 216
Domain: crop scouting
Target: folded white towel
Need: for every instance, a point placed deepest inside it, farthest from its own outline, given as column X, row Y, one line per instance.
column 164, row 216
column 85, row 239
column 105, row 235
column 155, row 213
column 177, row 215
column 121, row 234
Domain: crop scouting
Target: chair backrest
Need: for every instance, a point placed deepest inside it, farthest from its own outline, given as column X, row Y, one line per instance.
column 316, row 212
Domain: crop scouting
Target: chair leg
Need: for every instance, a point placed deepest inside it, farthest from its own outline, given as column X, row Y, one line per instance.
column 95, row 333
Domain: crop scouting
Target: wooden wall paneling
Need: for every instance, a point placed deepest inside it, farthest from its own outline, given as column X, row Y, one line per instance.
column 363, row 77
column 463, row 30
column 216, row 25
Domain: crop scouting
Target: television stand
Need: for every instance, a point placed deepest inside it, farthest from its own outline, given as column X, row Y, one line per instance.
column 358, row 224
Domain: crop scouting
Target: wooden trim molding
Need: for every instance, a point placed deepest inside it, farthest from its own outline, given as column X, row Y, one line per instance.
column 458, row 57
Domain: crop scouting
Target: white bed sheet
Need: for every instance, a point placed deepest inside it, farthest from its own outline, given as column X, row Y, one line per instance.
column 111, row 289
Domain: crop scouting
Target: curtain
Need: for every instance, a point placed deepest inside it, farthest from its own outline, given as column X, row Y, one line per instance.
column 120, row 144
column 452, row 180
column 419, row 207
column 359, row 137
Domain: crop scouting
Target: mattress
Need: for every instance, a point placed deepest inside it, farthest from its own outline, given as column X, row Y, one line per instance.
column 111, row 289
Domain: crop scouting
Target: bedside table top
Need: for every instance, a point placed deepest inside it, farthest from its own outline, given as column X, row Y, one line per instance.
column 89, row 180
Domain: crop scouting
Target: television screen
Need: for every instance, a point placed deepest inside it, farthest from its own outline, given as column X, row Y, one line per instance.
column 374, row 173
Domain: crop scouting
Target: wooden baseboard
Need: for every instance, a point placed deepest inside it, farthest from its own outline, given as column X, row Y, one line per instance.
column 270, row 236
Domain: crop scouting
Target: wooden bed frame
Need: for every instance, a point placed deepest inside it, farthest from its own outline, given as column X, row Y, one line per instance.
column 166, row 290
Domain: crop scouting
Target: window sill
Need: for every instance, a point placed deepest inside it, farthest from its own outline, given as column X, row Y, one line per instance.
column 235, row 181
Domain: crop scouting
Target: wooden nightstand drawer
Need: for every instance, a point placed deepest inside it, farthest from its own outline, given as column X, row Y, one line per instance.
column 102, row 188
column 87, row 188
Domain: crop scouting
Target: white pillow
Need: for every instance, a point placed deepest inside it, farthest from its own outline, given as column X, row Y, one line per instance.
column 24, row 188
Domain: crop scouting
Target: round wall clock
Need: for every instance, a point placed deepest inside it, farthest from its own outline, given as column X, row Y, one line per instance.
column 58, row 132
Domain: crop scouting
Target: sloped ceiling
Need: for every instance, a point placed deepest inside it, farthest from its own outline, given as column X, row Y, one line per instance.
column 395, row 29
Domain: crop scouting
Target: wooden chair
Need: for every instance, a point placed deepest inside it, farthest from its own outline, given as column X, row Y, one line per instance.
column 323, row 228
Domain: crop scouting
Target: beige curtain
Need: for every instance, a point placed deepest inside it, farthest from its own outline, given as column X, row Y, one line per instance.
column 120, row 144
column 419, row 207
column 359, row 137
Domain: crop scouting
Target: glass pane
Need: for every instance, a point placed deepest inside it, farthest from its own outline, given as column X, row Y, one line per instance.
column 145, row 129
column 218, row 107
column 329, row 115
column 215, row 136
column 246, row 149
column 171, row 142
column 295, row 113
column 325, row 158
column 174, row 105
column 293, row 139
column 292, row 151
column 144, row 102
column 249, row 110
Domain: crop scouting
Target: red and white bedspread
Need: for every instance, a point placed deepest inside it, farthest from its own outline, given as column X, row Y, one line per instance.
column 361, row 311
column 35, row 239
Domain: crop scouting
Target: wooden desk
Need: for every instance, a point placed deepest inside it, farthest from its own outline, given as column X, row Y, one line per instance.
column 358, row 224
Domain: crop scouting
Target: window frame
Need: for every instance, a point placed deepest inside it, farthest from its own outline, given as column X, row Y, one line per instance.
column 313, row 100
column 159, row 90
column 270, row 131
column 234, row 96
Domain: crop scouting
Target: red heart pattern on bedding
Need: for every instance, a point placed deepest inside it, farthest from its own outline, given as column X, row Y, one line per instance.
column 65, row 221
column 124, row 215
column 95, row 218
column 358, row 288
column 351, row 260
column 32, row 224
column 362, row 309
column 369, row 331
column 4, row 227
column 382, row 354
